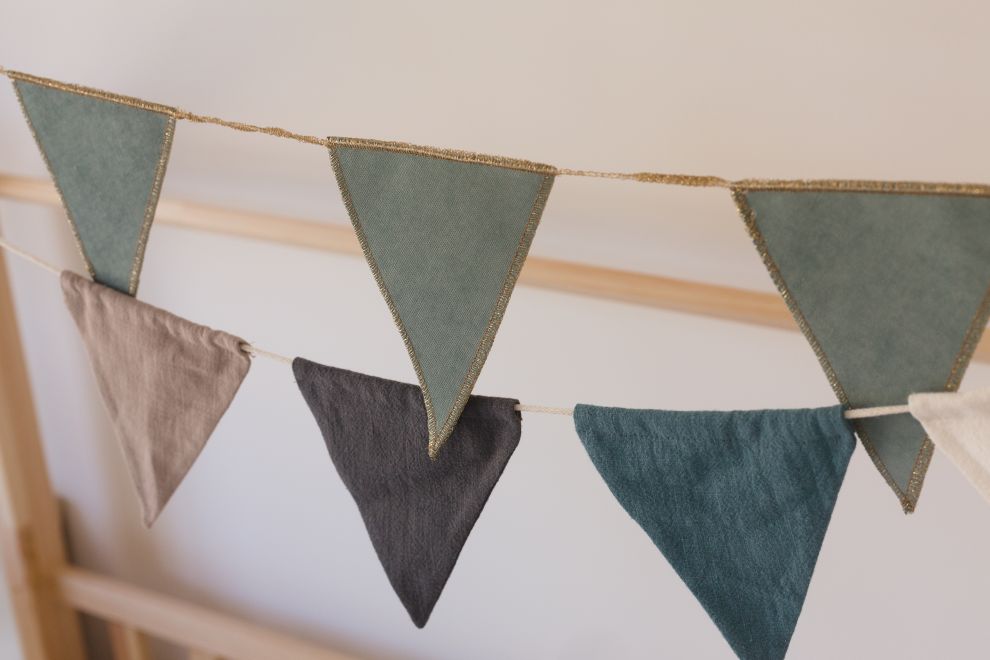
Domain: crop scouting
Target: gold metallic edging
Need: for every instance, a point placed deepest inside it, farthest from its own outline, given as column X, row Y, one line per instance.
column 908, row 499
column 970, row 341
column 488, row 337
column 51, row 173
column 852, row 185
column 149, row 212
column 370, row 258
column 445, row 154
column 93, row 92
column 673, row 179
column 149, row 209
column 437, row 437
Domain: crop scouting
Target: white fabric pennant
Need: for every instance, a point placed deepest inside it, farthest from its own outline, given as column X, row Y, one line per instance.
column 959, row 425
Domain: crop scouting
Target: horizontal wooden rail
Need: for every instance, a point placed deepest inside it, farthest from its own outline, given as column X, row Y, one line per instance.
column 711, row 300
column 134, row 612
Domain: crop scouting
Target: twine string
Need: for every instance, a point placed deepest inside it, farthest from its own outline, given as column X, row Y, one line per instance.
column 702, row 181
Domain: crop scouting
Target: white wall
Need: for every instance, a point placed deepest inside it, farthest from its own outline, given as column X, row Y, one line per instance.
column 555, row 569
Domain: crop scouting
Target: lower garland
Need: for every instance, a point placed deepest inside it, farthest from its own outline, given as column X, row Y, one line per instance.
column 738, row 502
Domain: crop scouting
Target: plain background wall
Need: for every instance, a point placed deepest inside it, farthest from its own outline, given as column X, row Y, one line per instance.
column 263, row 527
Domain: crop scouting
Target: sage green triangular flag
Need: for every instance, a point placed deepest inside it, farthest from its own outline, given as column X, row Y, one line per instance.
column 446, row 234
column 889, row 283
column 107, row 155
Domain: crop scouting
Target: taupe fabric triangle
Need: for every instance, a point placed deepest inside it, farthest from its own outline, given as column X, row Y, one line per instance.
column 107, row 155
column 446, row 234
column 166, row 382
column 418, row 511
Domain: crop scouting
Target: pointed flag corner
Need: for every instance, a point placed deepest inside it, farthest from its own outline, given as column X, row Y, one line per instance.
column 107, row 156
column 418, row 511
column 165, row 383
column 746, row 543
column 445, row 234
column 890, row 284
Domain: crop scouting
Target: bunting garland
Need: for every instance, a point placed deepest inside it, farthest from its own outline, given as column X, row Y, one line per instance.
column 889, row 281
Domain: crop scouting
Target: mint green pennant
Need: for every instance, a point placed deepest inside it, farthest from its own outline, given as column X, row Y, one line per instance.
column 446, row 234
column 107, row 155
column 890, row 287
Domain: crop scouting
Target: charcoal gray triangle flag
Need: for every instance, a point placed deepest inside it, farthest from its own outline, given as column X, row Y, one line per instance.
column 418, row 511
column 165, row 381
column 446, row 234
column 738, row 503
column 889, row 283
column 107, row 155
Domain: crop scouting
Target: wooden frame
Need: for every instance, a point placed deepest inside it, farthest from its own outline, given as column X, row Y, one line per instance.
column 47, row 591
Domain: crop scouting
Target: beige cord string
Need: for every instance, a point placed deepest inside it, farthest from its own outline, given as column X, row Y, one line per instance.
column 29, row 257
column 254, row 351
column 878, row 411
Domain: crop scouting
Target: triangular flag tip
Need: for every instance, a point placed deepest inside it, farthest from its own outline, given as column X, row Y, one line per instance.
column 959, row 425
column 166, row 383
column 890, row 287
column 418, row 511
column 445, row 234
column 107, row 155
column 738, row 503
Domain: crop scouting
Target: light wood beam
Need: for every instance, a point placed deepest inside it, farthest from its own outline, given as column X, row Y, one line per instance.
column 723, row 302
column 30, row 532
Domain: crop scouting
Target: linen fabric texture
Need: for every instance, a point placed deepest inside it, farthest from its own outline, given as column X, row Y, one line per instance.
column 165, row 381
column 108, row 161
column 445, row 240
column 893, row 290
column 959, row 425
column 418, row 511
column 738, row 503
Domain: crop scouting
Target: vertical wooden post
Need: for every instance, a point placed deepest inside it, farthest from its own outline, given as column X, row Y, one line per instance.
column 30, row 531
column 128, row 643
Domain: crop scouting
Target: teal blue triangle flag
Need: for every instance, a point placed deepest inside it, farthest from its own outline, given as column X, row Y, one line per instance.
column 107, row 155
column 889, row 283
column 446, row 234
column 738, row 503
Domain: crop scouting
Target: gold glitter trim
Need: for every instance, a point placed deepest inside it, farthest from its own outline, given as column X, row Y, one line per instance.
column 909, row 498
column 672, row 179
column 438, row 436
column 488, row 337
column 852, row 185
column 51, row 173
column 93, row 92
column 446, row 154
column 149, row 211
